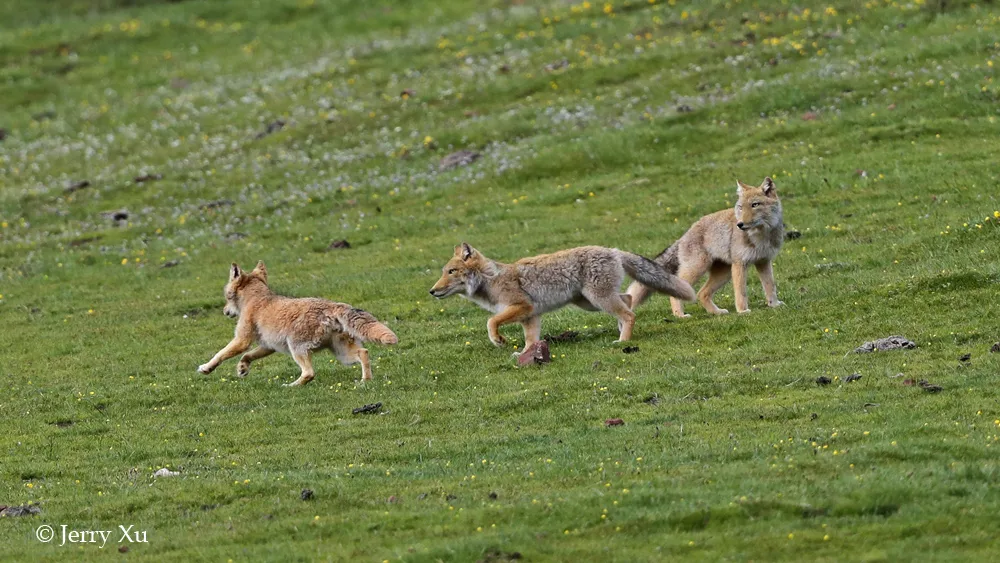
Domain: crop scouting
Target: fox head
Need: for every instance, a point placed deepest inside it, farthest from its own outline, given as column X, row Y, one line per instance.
column 757, row 206
column 461, row 274
column 239, row 282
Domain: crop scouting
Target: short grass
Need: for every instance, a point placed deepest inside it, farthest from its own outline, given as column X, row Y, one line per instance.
column 615, row 124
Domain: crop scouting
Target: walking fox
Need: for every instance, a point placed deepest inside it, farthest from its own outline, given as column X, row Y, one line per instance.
column 589, row 277
column 725, row 243
column 293, row 326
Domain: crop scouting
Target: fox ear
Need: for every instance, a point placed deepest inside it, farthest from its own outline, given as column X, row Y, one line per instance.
column 467, row 251
column 739, row 188
column 768, row 187
column 234, row 272
column 261, row 270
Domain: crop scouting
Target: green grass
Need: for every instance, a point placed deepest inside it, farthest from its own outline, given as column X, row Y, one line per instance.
column 892, row 182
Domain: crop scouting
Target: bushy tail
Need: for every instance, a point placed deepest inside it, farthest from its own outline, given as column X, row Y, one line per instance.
column 365, row 327
column 656, row 276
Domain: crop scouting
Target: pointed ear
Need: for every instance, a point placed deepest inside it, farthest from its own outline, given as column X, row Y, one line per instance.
column 234, row 272
column 467, row 251
column 458, row 250
column 261, row 270
column 739, row 187
column 768, row 187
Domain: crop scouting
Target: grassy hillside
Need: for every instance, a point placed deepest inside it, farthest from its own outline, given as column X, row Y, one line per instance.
column 146, row 145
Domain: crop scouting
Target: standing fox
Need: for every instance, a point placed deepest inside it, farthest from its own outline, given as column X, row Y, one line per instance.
column 293, row 326
column 589, row 277
column 723, row 244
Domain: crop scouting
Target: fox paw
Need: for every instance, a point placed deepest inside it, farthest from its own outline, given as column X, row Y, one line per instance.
column 721, row 312
column 242, row 370
column 499, row 341
column 743, row 312
column 683, row 315
column 205, row 369
column 776, row 304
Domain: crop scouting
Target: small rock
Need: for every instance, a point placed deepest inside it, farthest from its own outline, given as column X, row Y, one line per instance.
column 996, row 348
column 77, row 186
column 813, row 416
column 16, row 511
column 929, row 387
column 564, row 336
column 272, row 127
column 458, row 158
column 339, row 244
column 392, row 499
column 117, row 215
column 965, row 357
column 792, row 235
column 216, row 204
column 908, row 382
column 123, row 549
column 306, row 494
column 823, row 380
column 552, row 67
column 164, row 472
column 374, row 407
column 170, row 263
column 493, row 496
column 883, row 344
column 809, row 116
column 652, row 400
column 147, row 178
column 421, row 496
column 852, row 377
column 538, row 353
column 630, row 349
column 235, row 236
column 614, row 422
column 684, row 108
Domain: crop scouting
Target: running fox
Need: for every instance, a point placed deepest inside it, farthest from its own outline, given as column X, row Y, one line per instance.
column 589, row 277
column 293, row 326
column 723, row 244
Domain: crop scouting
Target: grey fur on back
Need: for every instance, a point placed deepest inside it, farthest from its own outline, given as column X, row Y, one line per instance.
column 669, row 259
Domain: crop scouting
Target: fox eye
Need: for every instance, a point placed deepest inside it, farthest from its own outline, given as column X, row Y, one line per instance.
column 755, row 204
column 452, row 271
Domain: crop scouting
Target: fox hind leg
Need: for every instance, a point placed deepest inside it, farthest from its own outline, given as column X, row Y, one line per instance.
column 615, row 305
column 690, row 273
column 304, row 359
column 717, row 277
column 349, row 352
column 637, row 293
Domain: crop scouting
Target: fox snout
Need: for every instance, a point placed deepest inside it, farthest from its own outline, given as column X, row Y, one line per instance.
column 741, row 226
column 440, row 292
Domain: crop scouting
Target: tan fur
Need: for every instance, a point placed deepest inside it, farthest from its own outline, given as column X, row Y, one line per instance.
column 292, row 326
column 724, row 244
column 589, row 277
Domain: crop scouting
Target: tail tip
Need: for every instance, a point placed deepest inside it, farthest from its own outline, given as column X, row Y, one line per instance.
column 390, row 339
